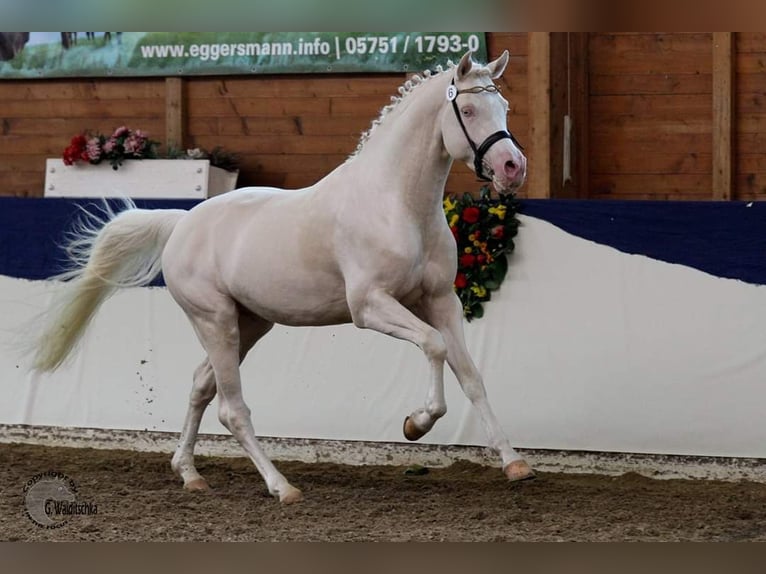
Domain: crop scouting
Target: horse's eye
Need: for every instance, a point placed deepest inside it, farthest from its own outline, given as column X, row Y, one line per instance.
column 467, row 111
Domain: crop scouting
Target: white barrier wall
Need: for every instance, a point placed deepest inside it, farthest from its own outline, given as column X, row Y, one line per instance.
column 583, row 348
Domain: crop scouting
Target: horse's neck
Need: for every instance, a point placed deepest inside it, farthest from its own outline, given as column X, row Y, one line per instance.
column 405, row 156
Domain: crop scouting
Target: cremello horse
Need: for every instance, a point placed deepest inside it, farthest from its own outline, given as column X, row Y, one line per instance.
column 369, row 244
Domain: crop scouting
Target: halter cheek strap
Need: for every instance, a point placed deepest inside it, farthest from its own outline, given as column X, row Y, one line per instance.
column 481, row 150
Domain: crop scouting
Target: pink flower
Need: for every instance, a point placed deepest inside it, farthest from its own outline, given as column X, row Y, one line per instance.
column 133, row 145
column 120, row 131
column 109, row 145
column 93, row 149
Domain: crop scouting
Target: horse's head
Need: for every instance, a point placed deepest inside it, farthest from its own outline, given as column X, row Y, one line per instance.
column 474, row 126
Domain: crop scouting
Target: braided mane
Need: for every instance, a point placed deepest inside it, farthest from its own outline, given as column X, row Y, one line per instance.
column 404, row 90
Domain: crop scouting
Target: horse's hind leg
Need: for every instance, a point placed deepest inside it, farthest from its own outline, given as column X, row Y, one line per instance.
column 203, row 390
column 218, row 328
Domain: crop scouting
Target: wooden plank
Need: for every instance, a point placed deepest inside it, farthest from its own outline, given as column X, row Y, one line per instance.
column 651, row 106
column 654, row 162
column 297, row 145
column 750, row 42
column 67, row 127
column 723, row 110
column 296, row 125
column 750, row 163
column 581, row 89
column 515, row 42
column 174, row 114
column 539, row 96
column 751, row 63
column 752, row 183
column 122, row 109
column 654, row 53
column 258, row 107
column 651, row 186
column 569, row 97
column 311, row 163
column 746, row 84
column 27, row 162
column 638, row 129
column 634, row 84
column 73, row 89
column 294, row 86
column 749, row 124
column 607, row 43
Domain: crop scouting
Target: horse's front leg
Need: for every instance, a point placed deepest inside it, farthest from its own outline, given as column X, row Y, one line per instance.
column 445, row 313
column 380, row 312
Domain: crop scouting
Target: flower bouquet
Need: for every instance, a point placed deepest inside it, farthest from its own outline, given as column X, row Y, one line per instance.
column 205, row 175
column 483, row 229
column 124, row 143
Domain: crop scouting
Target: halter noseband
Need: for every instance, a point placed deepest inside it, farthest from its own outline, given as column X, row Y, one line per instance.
column 479, row 151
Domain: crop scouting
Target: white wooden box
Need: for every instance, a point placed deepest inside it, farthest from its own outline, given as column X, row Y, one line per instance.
column 142, row 179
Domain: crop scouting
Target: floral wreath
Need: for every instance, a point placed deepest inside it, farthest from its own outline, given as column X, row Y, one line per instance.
column 483, row 229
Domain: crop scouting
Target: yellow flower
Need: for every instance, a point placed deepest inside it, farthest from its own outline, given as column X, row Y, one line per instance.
column 449, row 205
column 454, row 219
column 499, row 211
column 472, row 237
column 476, row 243
column 479, row 290
column 468, row 250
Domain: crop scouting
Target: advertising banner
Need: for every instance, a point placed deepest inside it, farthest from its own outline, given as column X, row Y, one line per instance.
column 120, row 54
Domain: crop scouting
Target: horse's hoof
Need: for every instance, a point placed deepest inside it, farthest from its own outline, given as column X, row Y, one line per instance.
column 518, row 470
column 291, row 495
column 197, row 485
column 411, row 432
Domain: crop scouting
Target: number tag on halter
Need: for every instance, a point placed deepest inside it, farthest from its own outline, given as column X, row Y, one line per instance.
column 451, row 93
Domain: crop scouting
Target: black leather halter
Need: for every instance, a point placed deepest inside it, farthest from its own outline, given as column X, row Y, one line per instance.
column 492, row 139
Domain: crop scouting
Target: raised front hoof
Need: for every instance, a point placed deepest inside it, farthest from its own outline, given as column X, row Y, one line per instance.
column 291, row 495
column 197, row 485
column 411, row 432
column 518, row 470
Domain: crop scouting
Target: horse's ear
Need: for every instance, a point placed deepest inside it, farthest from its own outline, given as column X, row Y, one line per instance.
column 465, row 65
column 497, row 67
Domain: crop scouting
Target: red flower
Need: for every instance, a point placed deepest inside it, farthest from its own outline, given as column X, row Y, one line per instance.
column 467, row 260
column 471, row 214
column 461, row 281
column 76, row 149
column 454, row 233
column 497, row 232
column 481, row 258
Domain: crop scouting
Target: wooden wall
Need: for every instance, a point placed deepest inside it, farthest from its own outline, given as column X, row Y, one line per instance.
column 289, row 130
column 650, row 116
column 677, row 116
column 657, row 116
column 750, row 125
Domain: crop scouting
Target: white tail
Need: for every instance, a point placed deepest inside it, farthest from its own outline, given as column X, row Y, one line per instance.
column 110, row 252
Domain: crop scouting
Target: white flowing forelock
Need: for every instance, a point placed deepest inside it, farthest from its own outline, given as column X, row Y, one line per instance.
column 404, row 90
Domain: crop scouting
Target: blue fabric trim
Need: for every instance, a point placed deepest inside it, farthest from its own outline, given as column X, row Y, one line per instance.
column 723, row 239
column 33, row 230
column 726, row 239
